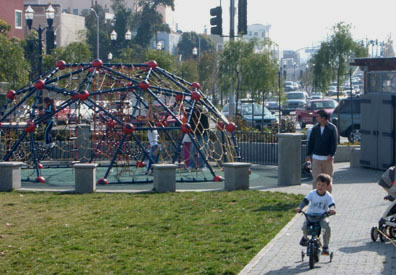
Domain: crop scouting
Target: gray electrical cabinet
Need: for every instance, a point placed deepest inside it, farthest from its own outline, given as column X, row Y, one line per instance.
column 377, row 112
column 377, row 130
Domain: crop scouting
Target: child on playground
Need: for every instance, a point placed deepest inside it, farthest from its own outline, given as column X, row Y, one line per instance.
column 319, row 201
column 152, row 136
column 49, row 109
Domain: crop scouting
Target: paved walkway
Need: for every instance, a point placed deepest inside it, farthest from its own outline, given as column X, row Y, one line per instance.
column 360, row 204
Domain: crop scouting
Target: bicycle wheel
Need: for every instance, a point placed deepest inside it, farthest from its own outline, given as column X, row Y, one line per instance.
column 312, row 252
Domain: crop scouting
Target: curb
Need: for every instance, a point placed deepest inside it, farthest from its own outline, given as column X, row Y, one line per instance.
column 249, row 267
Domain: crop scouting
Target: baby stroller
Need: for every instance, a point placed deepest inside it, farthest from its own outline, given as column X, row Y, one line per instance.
column 386, row 229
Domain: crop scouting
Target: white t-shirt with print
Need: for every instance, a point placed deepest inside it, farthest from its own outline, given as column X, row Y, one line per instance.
column 152, row 136
column 319, row 204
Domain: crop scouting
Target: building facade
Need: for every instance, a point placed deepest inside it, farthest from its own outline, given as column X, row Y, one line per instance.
column 68, row 27
column 79, row 7
column 12, row 12
column 258, row 31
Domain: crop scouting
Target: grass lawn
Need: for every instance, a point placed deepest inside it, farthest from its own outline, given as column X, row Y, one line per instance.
column 173, row 233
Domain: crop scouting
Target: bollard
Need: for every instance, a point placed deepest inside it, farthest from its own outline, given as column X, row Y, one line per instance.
column 289, row 159
column 10, row 175
column 85, row 177
column 164, row 177
column 355, row 158
column 236, row 176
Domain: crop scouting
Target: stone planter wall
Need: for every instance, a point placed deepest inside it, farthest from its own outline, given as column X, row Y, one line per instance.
column 343, row 153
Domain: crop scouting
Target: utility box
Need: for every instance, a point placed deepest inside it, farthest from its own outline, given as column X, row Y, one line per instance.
column 377, row 112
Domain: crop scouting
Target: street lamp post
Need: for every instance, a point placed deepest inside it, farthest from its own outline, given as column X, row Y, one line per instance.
column 159, row 46
column 49, row 14
column 113, row 38
column 128, row 37
column 195, row 52
column 97, row 33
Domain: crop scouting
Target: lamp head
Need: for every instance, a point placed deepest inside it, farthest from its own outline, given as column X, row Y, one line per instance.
column 50, row 15
column 29, row 14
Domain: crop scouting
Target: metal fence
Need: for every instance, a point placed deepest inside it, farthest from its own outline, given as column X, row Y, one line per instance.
column 262, row 148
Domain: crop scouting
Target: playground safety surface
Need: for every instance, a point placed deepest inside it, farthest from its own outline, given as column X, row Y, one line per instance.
column 62, row 179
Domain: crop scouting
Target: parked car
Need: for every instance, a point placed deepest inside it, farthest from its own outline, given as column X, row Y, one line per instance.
column 307, row 115
column 252, row 114
column 272, row 103
column 349, row 124
column 297, row 99
column 333, row 95
column 316, row 95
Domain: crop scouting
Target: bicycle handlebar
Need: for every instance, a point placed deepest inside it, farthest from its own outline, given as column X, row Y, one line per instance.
column 325, row 214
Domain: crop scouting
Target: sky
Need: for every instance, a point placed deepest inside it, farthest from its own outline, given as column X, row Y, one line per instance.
column 297, row 24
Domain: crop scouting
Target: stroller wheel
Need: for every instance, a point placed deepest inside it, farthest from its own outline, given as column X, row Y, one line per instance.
column 374, row 233
column 392, row 232
column 381, row 236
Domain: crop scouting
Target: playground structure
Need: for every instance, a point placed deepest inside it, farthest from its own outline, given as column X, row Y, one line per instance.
column 103, row 115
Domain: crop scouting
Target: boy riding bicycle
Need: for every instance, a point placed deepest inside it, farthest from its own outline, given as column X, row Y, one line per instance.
column 319, row 201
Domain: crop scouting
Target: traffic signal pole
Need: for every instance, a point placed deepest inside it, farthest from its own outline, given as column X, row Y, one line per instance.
column 217, row 28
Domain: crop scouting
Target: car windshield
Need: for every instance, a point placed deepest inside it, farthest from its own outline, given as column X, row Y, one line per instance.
column 324, row 104
column 295, row 96
column 248, row 109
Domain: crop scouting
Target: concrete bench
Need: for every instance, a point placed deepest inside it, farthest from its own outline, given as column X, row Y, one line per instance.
column 164, row 177
column 236, row 176
column 10, row 175
column 85, row 177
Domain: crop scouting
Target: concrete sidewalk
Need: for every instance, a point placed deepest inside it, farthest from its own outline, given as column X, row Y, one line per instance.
column 360, row 204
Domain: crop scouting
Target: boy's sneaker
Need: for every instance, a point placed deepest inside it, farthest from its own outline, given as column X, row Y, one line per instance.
column 303, row 241
column 325, row 251
column 52, row 145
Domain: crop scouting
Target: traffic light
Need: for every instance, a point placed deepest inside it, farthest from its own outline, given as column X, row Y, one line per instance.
column 242, row 17
column 216, row 22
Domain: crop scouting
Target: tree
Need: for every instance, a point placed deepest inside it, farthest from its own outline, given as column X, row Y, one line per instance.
column 189, row 40
column 164, row 59
column 104, row 31
column 207, row 69
column 189, row 70
column 75, row 52
column 229, row 61
column 149, row 20
column 259, row 71
column 4, row 27
column 331, row 61
column 123, row 21
column 14, row 68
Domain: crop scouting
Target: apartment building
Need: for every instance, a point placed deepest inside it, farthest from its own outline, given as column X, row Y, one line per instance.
column 12, row 12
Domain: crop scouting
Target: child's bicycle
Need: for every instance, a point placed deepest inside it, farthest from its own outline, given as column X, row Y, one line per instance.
column 314, row 245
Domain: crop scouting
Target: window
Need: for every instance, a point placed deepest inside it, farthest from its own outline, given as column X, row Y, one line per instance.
column 383, row 82
column 255, row 33
column 18, row 19
column 75, row 11
column 263, row 34
column 346, row 107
